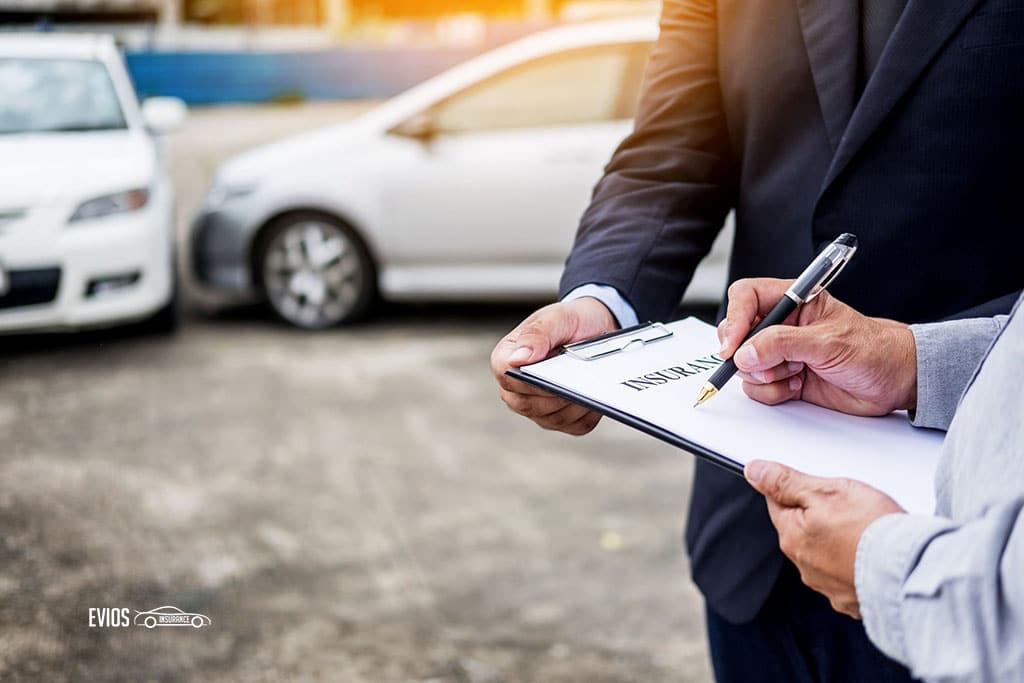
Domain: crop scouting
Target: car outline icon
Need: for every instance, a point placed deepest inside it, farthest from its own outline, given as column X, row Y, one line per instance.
column 169, row 615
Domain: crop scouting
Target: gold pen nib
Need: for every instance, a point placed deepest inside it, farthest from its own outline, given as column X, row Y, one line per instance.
column 706, row 392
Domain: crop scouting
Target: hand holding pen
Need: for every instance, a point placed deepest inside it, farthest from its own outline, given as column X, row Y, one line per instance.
column 826, row 353
column 815, row 278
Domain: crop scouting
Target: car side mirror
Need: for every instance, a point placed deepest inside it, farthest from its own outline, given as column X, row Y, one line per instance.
column 419, row 127
column 163, row 114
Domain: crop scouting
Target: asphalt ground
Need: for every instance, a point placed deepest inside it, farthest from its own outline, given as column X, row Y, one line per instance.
column 352, row 505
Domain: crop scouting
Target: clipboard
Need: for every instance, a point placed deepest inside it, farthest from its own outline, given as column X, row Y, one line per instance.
column 645, row 377
column 626, row 340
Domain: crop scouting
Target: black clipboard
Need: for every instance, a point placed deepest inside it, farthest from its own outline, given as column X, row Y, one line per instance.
column 592, row 350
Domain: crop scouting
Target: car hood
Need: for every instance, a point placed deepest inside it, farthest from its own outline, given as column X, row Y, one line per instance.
column 52, row 168
column 292, row 153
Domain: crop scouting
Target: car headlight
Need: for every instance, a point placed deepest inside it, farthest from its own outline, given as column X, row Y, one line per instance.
column 109, row 204
column 222, row 193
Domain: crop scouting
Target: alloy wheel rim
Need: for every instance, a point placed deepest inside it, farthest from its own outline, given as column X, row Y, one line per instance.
column 313, row 274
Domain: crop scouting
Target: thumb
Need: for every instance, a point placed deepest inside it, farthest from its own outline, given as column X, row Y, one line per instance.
column 782, row 484
column 780, row 343
column 538, row 336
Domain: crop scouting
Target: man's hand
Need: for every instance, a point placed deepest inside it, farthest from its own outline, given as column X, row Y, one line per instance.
column 820, row 522
column 534, row 340
column 826, row 353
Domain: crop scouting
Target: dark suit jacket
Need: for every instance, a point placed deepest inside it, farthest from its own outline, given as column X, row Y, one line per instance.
column 755, row 106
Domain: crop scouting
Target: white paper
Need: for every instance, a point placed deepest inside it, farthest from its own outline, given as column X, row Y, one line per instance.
column 885, row 452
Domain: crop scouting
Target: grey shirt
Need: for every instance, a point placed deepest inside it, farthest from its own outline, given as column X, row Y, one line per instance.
column 945, row 594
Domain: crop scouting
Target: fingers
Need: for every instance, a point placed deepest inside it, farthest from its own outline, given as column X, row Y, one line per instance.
column 570, row 419
column 531, row 341
column 783, row 485
column 552, row 412
column 534, row 338
column 547, row 329
column 780, row 344
column 749, row 300
column 514, row 386
column 533, row 406
column 774, row 393
column 779, row 384
column 778, row 373
column 583, row 424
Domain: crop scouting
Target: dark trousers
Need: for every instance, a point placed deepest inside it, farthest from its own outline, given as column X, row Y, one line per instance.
column 797, row 638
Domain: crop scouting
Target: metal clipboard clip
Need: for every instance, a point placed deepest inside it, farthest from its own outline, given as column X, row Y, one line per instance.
column 619, row 341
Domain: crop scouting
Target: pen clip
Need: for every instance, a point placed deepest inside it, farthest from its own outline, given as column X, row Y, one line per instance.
column 618, row 341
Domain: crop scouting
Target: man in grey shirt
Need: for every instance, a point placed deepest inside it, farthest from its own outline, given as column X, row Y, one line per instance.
column 942, row 594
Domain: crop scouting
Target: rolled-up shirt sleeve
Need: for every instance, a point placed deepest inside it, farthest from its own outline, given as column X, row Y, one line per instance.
column 948, row 353
column 945, row 599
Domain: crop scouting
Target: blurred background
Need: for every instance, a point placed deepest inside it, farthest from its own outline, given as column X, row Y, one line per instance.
column 254, row 255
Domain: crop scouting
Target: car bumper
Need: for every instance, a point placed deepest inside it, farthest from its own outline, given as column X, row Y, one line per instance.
column 221, row 252
column 96, row 274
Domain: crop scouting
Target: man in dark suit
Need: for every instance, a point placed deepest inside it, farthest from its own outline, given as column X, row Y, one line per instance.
column 901, row 123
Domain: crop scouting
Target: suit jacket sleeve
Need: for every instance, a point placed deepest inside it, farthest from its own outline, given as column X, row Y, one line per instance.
column 998, row 306
column 655, row 213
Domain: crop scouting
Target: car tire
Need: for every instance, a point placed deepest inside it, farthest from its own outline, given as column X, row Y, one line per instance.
column 197, row 622
column 315, row 271
column 149, row 622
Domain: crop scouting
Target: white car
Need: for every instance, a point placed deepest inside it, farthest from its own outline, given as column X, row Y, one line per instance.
column 86, row 204
column 469, row 186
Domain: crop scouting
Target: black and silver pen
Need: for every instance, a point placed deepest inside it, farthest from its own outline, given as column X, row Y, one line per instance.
column 815, row 278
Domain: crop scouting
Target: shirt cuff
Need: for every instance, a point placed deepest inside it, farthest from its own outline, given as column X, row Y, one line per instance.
column 611, row 298
column 948, row 353
column 886, row 554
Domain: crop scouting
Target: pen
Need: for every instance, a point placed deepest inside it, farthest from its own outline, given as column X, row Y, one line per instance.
column 812, row 282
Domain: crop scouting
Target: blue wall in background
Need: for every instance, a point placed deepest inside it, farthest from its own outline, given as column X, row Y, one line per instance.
column 216, row 77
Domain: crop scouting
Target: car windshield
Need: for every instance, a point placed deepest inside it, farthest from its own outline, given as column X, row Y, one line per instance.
column 57, row 95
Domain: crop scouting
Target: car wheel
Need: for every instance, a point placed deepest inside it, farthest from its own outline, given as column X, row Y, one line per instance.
column 197, row 622
column 316, row 272
column 150, row 622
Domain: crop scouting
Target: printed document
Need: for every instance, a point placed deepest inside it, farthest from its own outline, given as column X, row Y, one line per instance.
column 658, row 383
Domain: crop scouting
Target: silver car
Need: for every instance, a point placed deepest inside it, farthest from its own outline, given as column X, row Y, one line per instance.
column 467, row 187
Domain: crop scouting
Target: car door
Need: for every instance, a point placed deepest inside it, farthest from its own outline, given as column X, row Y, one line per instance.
column 507, row 166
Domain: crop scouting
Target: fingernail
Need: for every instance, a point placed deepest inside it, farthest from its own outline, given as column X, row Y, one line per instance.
column 521, row 355
column 795, row 366
column 747, row 355
column 755, row 471
column 794, row 383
